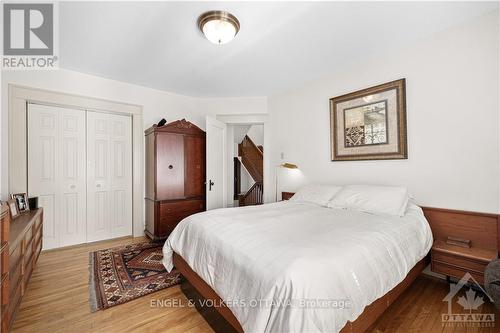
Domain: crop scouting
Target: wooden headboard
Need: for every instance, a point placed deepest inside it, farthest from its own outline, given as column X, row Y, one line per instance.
column 483, row 229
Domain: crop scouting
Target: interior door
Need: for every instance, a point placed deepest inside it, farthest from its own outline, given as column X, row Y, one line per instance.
column 109, row 176
column 216, row 166
column 56, row 172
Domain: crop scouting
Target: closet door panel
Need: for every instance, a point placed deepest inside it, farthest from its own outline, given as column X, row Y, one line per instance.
column 121, row 175
column 73, row 178
column 50, row 229
column 170, row 166
column 43, row 143
column 98, row 170
column 56, row 172
column 109, row 176
column 101, row 215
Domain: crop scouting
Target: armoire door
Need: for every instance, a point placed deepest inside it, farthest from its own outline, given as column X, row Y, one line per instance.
column 194, row 157
column 109, row 176
column 56, row 172
column 169, row 166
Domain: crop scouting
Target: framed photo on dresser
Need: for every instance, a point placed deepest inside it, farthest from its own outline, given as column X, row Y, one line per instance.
column 370, row 124
column 14, row 212
column 21, row 200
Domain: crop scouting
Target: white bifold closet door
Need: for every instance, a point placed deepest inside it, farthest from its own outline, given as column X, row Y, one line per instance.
column 56, row 172
column 109, row 174
column 80, row 168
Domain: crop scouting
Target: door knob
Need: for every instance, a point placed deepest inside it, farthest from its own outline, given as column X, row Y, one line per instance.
column 72, row 187
column 210, row 184
column 98, row 185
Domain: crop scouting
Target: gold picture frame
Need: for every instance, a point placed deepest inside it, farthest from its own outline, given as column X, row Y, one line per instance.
column 370, row 124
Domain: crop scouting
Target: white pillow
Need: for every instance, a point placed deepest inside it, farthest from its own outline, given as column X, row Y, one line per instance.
column 390, row 200
column 316, row 194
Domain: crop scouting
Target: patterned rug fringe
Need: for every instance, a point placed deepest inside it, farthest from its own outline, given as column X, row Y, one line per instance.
column 94, row 304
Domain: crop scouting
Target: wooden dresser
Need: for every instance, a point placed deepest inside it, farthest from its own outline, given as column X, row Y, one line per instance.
column 4, row 265
column 175, row 176
column 21, row 245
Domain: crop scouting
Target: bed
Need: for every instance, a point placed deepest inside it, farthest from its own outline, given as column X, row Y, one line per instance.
column 299, row 267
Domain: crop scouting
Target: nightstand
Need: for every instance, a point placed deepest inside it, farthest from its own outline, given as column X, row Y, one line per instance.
column 455, row 261
column 286, row 195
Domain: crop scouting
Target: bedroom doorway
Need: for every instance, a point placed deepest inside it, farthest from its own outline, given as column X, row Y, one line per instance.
column 242, row 162
column 248, row 164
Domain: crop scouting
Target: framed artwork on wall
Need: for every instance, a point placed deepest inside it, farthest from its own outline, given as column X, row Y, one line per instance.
column 370, row 124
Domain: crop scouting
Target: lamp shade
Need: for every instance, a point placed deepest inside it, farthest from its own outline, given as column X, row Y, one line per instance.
column 289, row 166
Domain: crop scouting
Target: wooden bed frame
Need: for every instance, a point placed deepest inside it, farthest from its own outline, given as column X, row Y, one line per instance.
column 366, row 320
column 480, row 228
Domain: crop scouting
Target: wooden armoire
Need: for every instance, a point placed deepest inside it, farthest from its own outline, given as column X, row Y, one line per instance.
column 175, row 176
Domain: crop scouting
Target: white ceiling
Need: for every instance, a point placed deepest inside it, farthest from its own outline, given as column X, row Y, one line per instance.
column 280, row 45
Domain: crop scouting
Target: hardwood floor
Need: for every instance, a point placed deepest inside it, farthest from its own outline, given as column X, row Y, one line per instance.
column 421, row 306
column 57, row 301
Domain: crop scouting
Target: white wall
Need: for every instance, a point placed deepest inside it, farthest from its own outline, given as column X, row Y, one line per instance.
column 156, row 104
column 231, row 105
column 239, row 133
column 453, row 120
column 256, row 133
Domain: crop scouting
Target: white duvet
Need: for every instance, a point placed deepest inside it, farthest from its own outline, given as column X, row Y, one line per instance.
column 292, row 267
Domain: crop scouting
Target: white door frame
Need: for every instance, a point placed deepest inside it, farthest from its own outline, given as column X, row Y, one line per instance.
column 19, row 96
column 252, row 119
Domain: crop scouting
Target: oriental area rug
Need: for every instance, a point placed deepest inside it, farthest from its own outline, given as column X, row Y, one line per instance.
column 121, row 274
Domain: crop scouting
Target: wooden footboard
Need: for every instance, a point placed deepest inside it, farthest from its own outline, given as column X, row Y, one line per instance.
column 206, row 291
column 373, row 311
column 366, row 320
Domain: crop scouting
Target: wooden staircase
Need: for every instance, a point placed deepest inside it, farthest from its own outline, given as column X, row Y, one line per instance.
column 254, row 196
column 252, row 158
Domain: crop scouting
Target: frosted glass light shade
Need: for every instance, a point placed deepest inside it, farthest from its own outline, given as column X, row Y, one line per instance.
column 219, row 27
column 219, row 32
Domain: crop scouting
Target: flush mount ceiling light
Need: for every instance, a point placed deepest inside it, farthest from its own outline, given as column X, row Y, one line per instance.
column 218, row 26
